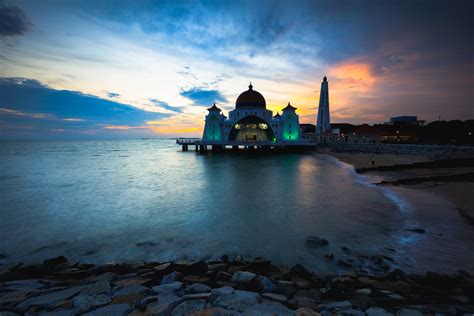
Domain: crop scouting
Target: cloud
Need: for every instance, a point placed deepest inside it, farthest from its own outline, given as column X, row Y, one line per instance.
column 203, row 97
column 166, row 106
column 13, row 21
column 26, row 102
column 113, row 95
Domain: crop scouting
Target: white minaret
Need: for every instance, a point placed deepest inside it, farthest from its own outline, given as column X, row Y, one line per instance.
column 323, row 124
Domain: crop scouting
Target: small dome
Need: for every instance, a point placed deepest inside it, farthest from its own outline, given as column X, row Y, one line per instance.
column 250, row 99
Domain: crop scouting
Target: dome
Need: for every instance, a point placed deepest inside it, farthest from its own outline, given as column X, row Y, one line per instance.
column 250, row 99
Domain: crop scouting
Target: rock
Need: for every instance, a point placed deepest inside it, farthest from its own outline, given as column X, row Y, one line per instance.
column 107, row 276
column 300, row 272
column 126, row 276
column 162, row 267
column 224, row 276
column 408, row 312
column 224, row 290
column 364, row 291
column 307, row 298
column 198, row 268
column 196, row 288
column 166, row 302
column 333, row 306
column 303, row 311
column 243, row 277
column 238, row 301
column 316, row 242
column 51, row 263
column 84, row 303
column 131, row 298
column 58, row 312
column 214, row 311
column 132, row 289
column 188, row 307
column 416, row 230
column 133, row 281
column 111, row 310
column 199, row 296
column 301, row 284
column 265, row 285
column 97, row 288
column 275, row 297
column 268, row 308
column 170, row 278
column 170, row 287
column 392, row 295
column 350, row 312
column 286, row 288
column 377, row 311
column 50, row 298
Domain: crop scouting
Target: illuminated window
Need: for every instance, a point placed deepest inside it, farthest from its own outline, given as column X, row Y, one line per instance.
column 263, row 126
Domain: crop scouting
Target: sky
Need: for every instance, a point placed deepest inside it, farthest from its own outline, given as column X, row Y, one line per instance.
column 109, row 69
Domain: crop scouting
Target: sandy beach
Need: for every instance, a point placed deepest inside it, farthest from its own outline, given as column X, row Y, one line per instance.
column 456, row 192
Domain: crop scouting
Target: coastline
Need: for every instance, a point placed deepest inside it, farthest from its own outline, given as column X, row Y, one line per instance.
column 450, row 188
column 224, row 287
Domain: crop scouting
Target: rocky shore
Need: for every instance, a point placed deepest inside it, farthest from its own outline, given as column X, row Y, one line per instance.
column 224, row 287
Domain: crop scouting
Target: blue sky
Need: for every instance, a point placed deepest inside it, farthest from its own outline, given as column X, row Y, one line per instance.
column 119, row 69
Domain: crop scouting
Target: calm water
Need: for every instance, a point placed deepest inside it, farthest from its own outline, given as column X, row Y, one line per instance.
column 147, row 200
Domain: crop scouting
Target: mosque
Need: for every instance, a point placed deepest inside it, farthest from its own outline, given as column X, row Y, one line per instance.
column 251, row 122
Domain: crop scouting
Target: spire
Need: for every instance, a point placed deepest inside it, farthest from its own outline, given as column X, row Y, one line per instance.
column 250, row 85
column 325, row 79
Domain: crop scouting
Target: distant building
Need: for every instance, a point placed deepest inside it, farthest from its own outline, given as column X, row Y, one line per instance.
column 405, row 119
column 323, row 122
column 250, row 122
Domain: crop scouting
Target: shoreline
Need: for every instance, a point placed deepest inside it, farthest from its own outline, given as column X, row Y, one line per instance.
column 439, row 176
column 225, row 287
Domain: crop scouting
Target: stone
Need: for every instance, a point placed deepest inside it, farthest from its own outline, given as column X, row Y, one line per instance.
column 170, row 287
column 97, row 288
column 128, row 298
column 59, row 312
column 188, row 307
column 243, row 277
column 162, row 267
column 266, row 285
column 107, row 276
column 268, row 308
column 275, row 297
column 300, row 272
column 170, row 278
column 364, row 291
column 305, row 298
column 166, row 302
column 214, row 311
column 238, row 301
column 350, row 312
column 408, row 312
column 224, row 276
column 333, row 306
column 303, row 311
column 197, row 268
column 285, row 288
column 224, row 290
column 316, row 242
column 377, row 311
column 111, row 310
column 51, row 263
column 196, row 288
column 84, row 303
column 301, row 284
column 50, row 298
column 132, row 289
column 126, row 276
column 198, row 296
column 132, row 281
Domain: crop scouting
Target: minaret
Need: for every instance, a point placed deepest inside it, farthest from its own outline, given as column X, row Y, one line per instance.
column 323, row 124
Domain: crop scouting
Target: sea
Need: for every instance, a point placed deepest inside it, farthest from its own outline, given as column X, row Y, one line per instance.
column 146, row 200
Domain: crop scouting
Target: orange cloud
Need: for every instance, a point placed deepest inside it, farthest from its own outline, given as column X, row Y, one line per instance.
column 353, row 76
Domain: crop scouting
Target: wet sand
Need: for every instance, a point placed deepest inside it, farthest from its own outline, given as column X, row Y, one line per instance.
column 457, row 192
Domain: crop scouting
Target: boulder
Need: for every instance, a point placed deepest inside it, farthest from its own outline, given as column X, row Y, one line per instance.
column 265, row 284
column 170, row 277
column 238, row 301
column 132, row 289
column 97, row 288
column 84, row 303
column 53, row 262
column 275, row 297
column 377, row 311
column 196, row 288
column 111, row 310
column 224, row 290
column 170, row 287
column 243, row 277
column 50, row 299
column 188, row 307
column 268, row 308
column 166, row 302
column 316, row 242
column 333, row 306
column 300, row 272
column 303, row 311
